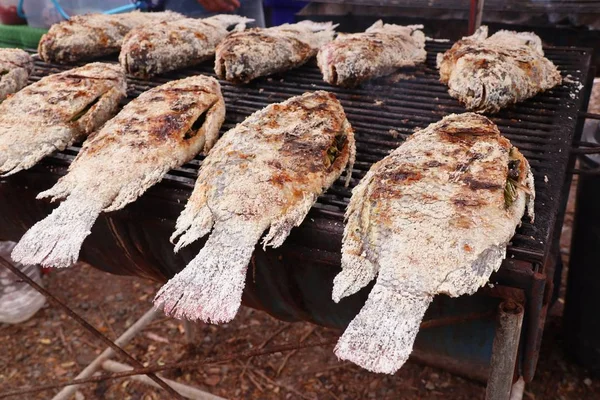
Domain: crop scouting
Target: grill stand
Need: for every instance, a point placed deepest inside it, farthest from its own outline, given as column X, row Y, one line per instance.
column 504, row 353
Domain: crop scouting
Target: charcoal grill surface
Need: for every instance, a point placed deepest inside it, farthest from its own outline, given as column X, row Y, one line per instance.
column 384, row 113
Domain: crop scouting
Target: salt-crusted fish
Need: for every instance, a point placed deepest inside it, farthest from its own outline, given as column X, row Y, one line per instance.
column 490, row 73
column 381, row 50
column 246, row 55
column 435, row 216
column 57, row 110
column 94, row 35
column 158, row 48
column 267, row 172
column 162, row 129
column 15, row 67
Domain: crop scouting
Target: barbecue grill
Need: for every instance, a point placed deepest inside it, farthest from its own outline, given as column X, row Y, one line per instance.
column 294, row 282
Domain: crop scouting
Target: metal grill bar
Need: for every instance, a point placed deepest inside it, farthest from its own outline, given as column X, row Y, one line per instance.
column 385, row 113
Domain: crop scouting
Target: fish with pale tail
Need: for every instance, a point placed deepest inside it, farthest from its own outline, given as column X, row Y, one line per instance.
column 266, row 173
column 433, row 217
column 56, row 111
column 162, row 129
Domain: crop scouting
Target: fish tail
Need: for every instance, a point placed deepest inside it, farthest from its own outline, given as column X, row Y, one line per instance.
column 56, row 240
column 381, row 337
column 210, row 287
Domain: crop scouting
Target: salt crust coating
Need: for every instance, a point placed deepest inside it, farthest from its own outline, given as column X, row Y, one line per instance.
column 15, row 67
column 151, row 135
column 429, row 218
column 490, row 73
column 244, row 56
column 381, row 50
column 167, row 46
column 266, row 173
column 43, row 117
column 89, row 36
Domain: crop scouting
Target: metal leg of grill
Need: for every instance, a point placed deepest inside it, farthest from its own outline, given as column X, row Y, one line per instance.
column 504, row 351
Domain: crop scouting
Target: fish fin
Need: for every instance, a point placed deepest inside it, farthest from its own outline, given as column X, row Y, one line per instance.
column 210, row 287
column 56, row 240
column 191, row 225
column 18, row 159
column 136, row 187
column 281, row 228
column 381, row 337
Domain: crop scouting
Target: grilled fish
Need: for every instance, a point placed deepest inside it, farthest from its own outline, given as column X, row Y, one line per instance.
column 15, row 67
column 490, row 73
column 381, row 50
column 54, row 112
column 160, row 130
column 157, row 48
column 244, row 56
column 94, row 35
column 266, row 172
column 434, row 216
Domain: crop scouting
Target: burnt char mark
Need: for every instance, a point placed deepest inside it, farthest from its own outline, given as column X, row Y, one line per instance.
column 281, row 178
column 466, row 202
column 78, row 78
column 433, row 164
column 391, row 182
column 401, row 176
column 475, row 184
column 308, row 152
column 166, row 126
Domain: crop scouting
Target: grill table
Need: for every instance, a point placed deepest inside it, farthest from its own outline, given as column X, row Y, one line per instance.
column 294, row 282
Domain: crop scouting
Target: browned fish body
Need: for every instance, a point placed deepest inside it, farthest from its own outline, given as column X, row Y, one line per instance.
column 83, row 37
column 15, row 67
column 244, row 56
column 266, row 173
column 490, row 73
column 160, row 130
column 381, row 50
column 57, row 110
column 158, row 48
column 435, row 216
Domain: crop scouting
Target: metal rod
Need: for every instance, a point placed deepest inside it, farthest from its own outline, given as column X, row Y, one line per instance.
column 186, row 391
column 140, row 324
column 158, row 368
column 504, row 351
column 85, row 324
column 475, row 15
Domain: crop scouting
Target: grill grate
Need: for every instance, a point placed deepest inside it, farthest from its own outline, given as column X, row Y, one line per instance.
column 383, row 113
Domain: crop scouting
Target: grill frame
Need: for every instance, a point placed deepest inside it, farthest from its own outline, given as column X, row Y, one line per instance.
column 134, row 241
column 403, row 114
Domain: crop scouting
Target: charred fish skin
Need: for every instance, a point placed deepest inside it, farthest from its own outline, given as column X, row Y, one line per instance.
column 161, row 129
column 157, row 48
column 83, row 37
column 435, row 216
column 381, row 50
column 266, row 173
column 490, row 73
column 54, row 112
column 15, row 67
column 244, row 56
